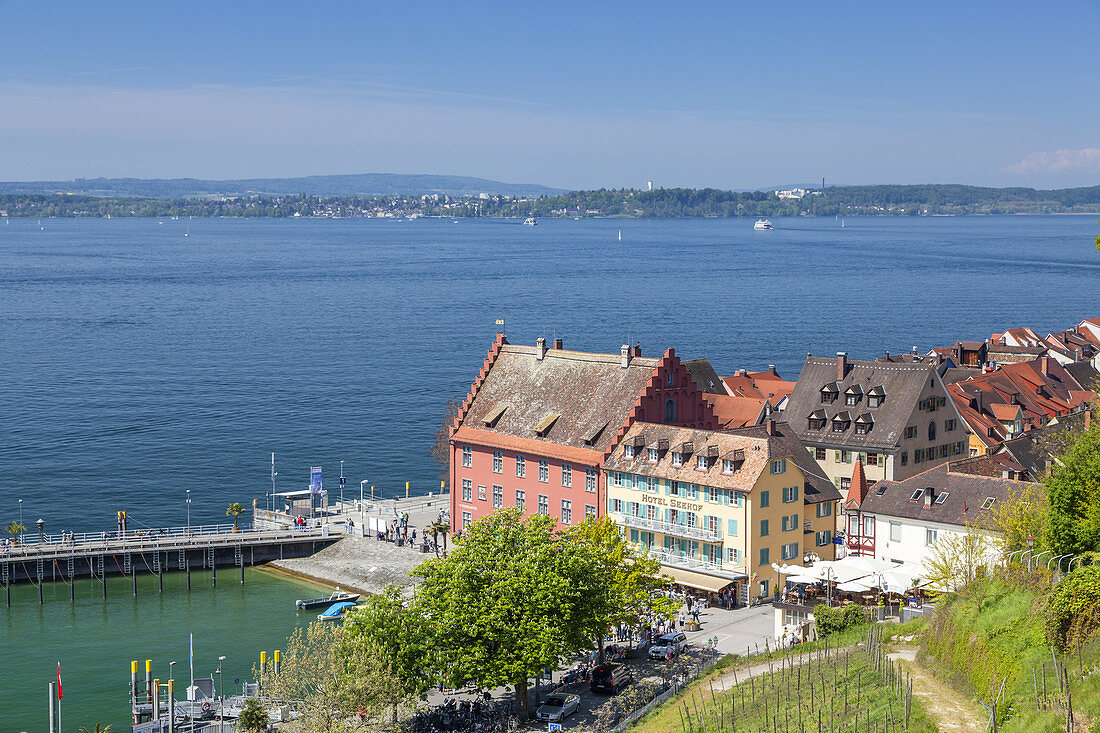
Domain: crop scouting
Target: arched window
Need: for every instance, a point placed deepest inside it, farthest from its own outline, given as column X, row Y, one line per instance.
column 670, row 410
column 932, row 430
column 668, row 377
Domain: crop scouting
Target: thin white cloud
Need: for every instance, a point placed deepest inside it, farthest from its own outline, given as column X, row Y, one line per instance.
column 1085, row 160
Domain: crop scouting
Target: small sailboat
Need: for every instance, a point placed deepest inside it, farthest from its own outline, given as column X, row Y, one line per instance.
column 620, row 235
column 40, row 227
column 841, row 223
column 188, row 232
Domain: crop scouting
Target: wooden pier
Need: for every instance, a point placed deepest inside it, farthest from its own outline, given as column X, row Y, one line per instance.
column 154, row 551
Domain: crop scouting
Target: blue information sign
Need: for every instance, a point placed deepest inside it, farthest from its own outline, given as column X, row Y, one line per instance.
column 315, row 479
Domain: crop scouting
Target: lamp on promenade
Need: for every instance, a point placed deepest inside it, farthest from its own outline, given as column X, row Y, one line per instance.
column 171, row 671
column 189, row 511
column 1030, row 546
column 19, row 537
column 221, row 691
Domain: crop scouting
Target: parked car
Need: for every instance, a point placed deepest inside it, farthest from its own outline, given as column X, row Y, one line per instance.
column 611, row 677
column 676, row 641
column 558, row 707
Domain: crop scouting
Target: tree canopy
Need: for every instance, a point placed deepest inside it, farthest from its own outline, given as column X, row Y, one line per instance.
column 1073, row 487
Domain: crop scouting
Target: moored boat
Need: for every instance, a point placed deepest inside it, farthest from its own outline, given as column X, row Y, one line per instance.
column 337, row 596
column 336, row 611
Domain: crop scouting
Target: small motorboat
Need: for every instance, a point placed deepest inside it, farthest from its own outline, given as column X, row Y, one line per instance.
column 337, row 596
column 336, row 611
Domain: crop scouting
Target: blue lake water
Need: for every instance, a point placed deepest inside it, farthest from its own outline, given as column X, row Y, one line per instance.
column 136, row 363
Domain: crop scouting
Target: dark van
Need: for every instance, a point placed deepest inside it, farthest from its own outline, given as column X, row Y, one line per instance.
column 611, row 678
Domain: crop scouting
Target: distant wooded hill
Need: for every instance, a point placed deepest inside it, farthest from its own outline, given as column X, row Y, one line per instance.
column 364, row 184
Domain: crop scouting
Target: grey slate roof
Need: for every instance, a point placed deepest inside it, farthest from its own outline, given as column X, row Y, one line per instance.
column 965, row 496
column 703, row 374
column 1085, row 374
column 818, row 487
column 901, row 382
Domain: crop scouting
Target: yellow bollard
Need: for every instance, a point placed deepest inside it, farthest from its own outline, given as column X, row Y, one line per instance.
column 406, row 489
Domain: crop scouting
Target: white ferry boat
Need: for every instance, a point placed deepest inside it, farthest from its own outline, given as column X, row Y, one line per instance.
column 762, row 224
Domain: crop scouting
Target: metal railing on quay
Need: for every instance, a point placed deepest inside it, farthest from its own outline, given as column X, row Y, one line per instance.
column 168, row 538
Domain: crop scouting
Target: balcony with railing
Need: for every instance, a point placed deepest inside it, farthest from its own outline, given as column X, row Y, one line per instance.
column 669, row 528
column 698, row 564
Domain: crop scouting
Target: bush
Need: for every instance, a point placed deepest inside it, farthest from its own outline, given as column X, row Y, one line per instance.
column 1072, row 610
column 832, row 620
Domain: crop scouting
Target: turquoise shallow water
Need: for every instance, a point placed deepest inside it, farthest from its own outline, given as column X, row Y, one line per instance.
column 136, row 363
column 95, row 639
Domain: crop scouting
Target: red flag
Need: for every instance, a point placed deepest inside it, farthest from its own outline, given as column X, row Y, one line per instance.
column 59, row 693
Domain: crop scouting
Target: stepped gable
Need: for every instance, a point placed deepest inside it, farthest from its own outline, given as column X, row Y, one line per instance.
column 490, row 359
column 941, row 495
column 901, row 386
column 784, row 442
column 534, row 398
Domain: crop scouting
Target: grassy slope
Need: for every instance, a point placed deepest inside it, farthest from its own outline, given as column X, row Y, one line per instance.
column 994, row 632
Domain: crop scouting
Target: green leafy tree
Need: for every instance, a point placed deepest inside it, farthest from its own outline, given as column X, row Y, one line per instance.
column 98, row 728
column 401, row 633
column 439, row 528
column 234, row 510
column 621, row 584
column 507, row 600
column 253, row 717
column 1027, row 514
column 334, row 685
column 1072, row 611
column 1073, row 487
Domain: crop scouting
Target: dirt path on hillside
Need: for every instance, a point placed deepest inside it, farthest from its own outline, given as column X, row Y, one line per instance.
column 952, row 710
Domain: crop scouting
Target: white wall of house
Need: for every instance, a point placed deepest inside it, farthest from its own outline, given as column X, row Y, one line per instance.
column 914, row 538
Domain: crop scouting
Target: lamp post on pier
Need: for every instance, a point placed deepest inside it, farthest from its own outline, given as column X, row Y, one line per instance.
column 19, row 537
column 221, row 693
column 189, row 511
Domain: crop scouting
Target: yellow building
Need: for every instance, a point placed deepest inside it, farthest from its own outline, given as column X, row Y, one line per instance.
column 718, row 507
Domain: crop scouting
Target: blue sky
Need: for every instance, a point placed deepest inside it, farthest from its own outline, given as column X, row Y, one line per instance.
column 568, row 94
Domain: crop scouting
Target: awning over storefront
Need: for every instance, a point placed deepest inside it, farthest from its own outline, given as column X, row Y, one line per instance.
column 697, row 580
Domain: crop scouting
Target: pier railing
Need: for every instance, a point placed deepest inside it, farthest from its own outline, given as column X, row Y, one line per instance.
column 167, row 538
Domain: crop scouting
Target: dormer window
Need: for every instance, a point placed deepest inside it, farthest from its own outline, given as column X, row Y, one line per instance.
column 876, row 396
column 728, row 466
column 864, row 423
column 677, row 459
column 817, row 420
column 842, row 421
column 853, row 395
column 653, row 455
column 829, row 393
column 628, row 452
column 701, row 462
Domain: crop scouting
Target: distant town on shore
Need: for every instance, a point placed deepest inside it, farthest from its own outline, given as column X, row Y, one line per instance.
column 414, row 196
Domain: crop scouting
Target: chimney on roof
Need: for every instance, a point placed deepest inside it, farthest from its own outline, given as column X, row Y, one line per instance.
column 638, row 349
column 625, row 356
column 1088, row 418
column 540, row 348
column 939, row 358
column 770, row 426
column 771, row 369
column 741, row 373
column 1044, row 364
column 928, row 496
column 887, row 356
column 1077, row 355
column 559, row 344
column 914, row 351
column 841, row 364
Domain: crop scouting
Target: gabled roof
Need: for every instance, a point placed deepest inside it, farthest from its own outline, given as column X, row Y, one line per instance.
column 767, row 385
column 962, row 506
column 1032, row 450
column 902, row 384
column 590, row 393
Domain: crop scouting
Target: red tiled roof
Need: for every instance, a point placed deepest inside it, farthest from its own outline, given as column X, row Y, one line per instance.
column 736, row 412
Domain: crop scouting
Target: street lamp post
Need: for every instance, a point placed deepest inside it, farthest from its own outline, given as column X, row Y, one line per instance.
column 1030, row 546
column 189, row 511
column 171, row 671
column 19, row 537
column 341, row 484
column 221, row 691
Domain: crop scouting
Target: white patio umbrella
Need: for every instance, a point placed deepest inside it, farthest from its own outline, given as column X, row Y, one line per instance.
column 853, row 586
column 803, row 579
